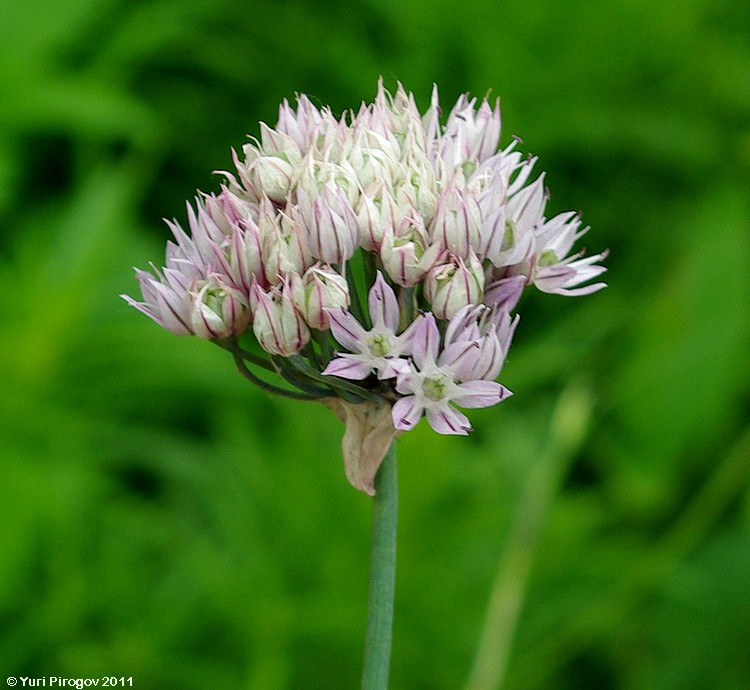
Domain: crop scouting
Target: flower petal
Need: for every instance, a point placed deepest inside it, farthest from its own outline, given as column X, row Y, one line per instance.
column 406, row 413
column 346, row 329
column 383, row 304
column 446, row 420
column 348, row 368
column 394, row 366
column 480, row 394
column 425, row 340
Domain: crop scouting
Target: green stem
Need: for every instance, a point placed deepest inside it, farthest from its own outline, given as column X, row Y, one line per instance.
column 382, row 576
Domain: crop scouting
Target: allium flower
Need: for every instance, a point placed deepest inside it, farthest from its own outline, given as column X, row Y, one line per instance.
column 218, row 310
column 454, row 283
column 319, row 289
column 407, row 253
column 435, row 379
column 277, row 324
column 377, row 350
column 439, row 228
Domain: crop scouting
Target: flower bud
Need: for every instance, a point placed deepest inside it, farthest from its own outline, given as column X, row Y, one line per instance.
column 476, row 342
column 373, row 158
column 418, row 185
column 317, row 290
column 471, row 135
column 302, row 125
column 227, row 210
column 399, row 115
column 204, row 246
column 457, row 222
column 274, row 143
column 270, row 176
column 284, row 244
column 332, row 229
column 317, row 172
column 453, row 285
column 246, row 254
column 217, row 310
column 277, row 324
column 376, row 212
column 407, row 254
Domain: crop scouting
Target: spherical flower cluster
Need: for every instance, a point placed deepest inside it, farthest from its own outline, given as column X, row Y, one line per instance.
column 375, row 257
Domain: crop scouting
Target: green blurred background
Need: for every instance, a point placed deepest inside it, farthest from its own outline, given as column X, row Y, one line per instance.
column 160, row 519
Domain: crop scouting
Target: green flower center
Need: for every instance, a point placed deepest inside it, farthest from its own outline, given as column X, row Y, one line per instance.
column 434, row 387
column 547, row 258
column 214, row 299
column 379, row 345
column 509, row 236
column 410, row 237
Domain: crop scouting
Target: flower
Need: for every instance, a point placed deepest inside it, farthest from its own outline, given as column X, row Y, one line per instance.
column 218, row 310
column 377, row 350
column 318, row 290
column 451, row 285
column 407, row 253
column 436, row 379
column 330, row 224
column 277, row 324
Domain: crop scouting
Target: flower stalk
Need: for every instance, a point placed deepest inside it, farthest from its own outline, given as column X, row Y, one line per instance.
column 378, row 640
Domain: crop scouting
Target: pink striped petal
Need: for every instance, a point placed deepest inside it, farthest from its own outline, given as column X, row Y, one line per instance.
column 425, row 340
column 383, row 304
column 348, row 332
column 348, row 368
column 446, row 420
column 406, row 413
column 480, row 394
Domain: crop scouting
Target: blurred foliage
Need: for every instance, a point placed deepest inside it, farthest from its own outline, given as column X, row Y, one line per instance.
column 161, row 519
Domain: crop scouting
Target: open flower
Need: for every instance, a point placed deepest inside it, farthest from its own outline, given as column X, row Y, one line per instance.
column 377, row 350
column 434, row 380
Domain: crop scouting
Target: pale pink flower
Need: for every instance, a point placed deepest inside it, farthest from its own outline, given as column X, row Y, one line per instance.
column 331, row 224
column 277, row 325
column 434, row 380
column 454, row 283
column 218, row 310
column 457, row 223
column 471, row 135
column 318, row 290
column 375, row 350
column 407, row 253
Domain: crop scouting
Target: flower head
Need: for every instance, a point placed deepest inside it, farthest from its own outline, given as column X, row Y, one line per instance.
column 373, row 258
